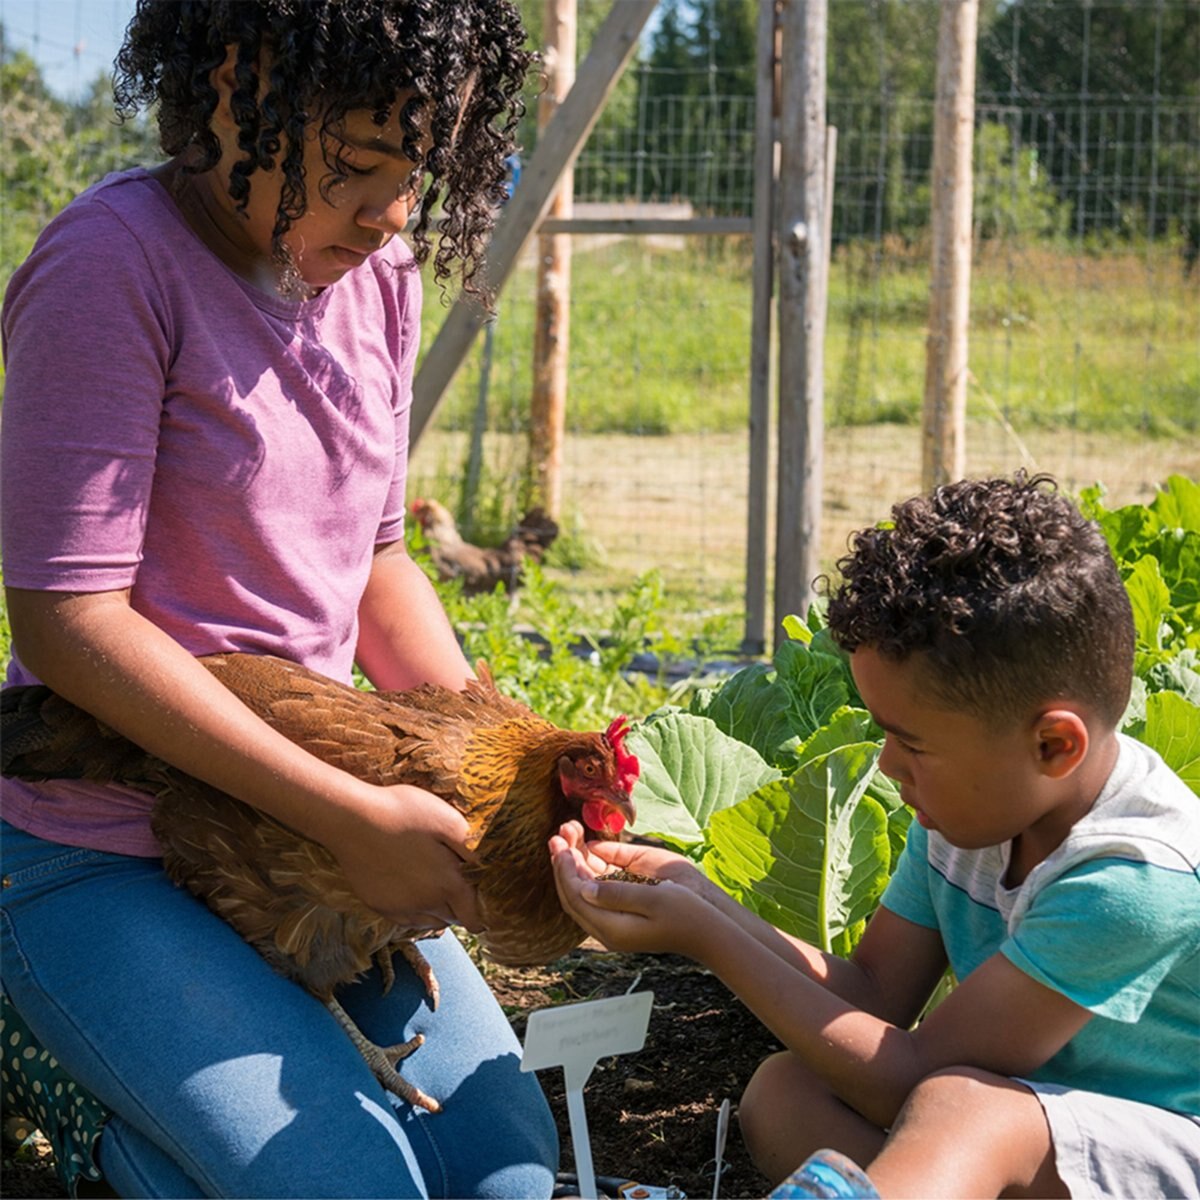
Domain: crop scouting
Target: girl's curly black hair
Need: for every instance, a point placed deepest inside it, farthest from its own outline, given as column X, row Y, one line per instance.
column 463, row 61
column 1008, row 593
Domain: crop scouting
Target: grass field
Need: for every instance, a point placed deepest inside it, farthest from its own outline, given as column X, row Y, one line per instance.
column 1083, row 365
column 659, row 339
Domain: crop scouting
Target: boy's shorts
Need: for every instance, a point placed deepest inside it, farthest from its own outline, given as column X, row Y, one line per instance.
column 1108, row 1147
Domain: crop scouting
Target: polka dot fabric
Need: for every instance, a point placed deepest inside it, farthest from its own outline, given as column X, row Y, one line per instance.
column 37, row 1088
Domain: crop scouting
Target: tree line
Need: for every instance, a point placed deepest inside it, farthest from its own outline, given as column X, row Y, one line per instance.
column 1088, row 114
column 1088, row 119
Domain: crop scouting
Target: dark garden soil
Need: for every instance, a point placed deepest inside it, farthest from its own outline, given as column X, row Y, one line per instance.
column 652, row 1115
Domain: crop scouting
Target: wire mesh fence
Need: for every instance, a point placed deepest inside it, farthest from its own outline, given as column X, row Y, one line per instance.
column 1085, row 329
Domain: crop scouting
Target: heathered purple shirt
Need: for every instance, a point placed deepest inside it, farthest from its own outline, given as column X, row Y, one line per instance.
column 234, row 458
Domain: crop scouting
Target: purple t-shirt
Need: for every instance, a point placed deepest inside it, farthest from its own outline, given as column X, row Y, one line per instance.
column 232, row 457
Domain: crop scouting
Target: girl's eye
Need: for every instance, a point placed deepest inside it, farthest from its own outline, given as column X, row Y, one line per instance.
column 906, row 747
column 353, row 170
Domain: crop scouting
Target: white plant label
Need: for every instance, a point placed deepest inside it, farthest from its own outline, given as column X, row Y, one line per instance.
column 575, row 1037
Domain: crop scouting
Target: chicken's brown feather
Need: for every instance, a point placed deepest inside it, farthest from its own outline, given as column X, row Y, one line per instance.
column 488, row 755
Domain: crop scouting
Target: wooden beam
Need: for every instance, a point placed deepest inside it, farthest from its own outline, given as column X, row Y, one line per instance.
column 557, row 149
column 552, row 326
column 639, row 226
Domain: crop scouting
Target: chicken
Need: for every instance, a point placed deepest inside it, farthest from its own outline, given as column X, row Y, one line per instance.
column 482, row 567
column 514, row 776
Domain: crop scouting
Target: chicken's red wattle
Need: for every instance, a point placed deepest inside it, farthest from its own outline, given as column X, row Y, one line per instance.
column 602, row 818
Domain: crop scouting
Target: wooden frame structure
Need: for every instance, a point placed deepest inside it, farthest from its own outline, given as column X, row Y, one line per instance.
column 791, row 230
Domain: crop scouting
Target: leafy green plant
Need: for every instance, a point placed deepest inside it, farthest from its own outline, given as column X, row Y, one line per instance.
column 1157, row 549
column 537, row 647
column 770, row 781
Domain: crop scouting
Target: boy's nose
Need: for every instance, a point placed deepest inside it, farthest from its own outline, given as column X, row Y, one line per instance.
column 890, row 762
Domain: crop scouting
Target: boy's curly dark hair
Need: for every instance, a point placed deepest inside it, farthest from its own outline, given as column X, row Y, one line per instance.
column 463, row 60
column 1008, row 593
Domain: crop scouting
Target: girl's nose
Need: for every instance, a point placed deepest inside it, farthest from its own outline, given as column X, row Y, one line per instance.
column 389, row 218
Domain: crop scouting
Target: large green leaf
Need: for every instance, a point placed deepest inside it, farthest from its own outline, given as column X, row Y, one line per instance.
column 1173, row 729
column 847, row 725
column 774, row 707
column 809, row 853
column 1151, row 600
column 754, row 707
column 1178, row 503
column 689, row 771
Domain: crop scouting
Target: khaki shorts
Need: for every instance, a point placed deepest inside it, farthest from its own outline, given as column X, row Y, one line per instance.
column 1108, row 1147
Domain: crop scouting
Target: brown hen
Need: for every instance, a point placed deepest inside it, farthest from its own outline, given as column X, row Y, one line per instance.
column 481, row 568
column 514, row 776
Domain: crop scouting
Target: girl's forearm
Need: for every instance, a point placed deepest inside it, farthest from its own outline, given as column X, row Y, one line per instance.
column 405, row 637
column 96, row 651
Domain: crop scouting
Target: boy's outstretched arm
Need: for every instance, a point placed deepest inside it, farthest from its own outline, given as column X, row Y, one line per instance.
column 998, row 1019
column 890, row 986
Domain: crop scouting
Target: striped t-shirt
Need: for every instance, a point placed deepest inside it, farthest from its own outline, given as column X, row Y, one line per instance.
column 1111, row 919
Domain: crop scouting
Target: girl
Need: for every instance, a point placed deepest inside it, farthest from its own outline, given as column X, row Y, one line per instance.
column 209, row 370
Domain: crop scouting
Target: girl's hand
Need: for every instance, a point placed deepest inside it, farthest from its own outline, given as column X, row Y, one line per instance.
column 633, row 917
column 405, row 857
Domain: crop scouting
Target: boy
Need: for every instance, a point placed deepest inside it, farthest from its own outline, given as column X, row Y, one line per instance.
column 1052, row 864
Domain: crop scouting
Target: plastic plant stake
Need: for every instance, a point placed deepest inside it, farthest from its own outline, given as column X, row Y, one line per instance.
column 575, row 1037
column 722, row 1134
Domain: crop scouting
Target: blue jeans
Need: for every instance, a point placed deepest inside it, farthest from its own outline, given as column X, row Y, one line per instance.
column 224, row 1079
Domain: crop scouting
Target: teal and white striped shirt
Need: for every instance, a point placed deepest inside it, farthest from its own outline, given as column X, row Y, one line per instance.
column 1111, row 919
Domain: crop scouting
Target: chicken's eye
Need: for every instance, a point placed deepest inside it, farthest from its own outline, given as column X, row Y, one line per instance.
column 588, row 768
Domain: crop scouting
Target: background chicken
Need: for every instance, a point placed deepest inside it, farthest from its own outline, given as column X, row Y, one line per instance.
column 514, row 776
column 482, row 567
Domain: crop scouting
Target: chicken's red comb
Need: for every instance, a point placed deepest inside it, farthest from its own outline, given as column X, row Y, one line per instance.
column 628, row 767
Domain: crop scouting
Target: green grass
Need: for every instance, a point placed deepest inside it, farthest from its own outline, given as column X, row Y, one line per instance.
column 659, row 342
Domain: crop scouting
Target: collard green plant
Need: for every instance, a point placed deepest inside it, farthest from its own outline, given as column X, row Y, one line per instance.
column 1157, row 550
column 810, row 853
column 771, row 782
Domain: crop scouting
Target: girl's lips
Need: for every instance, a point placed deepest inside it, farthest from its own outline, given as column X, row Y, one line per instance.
column 922, row 819
column 350, row 258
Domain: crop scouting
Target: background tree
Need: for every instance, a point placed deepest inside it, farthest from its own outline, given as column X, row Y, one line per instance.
column 50, row 150
column 1118, row 79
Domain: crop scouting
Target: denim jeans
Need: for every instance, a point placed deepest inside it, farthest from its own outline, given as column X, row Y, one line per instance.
column 224, row 1079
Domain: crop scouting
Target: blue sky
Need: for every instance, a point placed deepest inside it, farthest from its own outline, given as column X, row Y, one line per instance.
column 72, row 40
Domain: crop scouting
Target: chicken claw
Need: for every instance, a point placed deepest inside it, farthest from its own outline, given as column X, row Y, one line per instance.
column 384, row 1060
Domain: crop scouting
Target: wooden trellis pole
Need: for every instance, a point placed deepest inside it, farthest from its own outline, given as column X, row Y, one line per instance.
column 762, row 312
column 552, row 329
column 802, row 281
column 944, row 419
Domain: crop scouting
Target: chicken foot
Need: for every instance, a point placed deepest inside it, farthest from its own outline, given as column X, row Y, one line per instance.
column 384, row 1060
column 411, row 953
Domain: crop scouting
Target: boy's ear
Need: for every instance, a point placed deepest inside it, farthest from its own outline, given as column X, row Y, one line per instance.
column 1062, row 741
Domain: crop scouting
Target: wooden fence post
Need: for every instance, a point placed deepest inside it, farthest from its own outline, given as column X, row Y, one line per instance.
column 802, row 278
column 762, row 312
column 944, row 417
column 552, row 328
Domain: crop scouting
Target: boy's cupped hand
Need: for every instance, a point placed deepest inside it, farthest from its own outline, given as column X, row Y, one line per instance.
column 631, row 917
